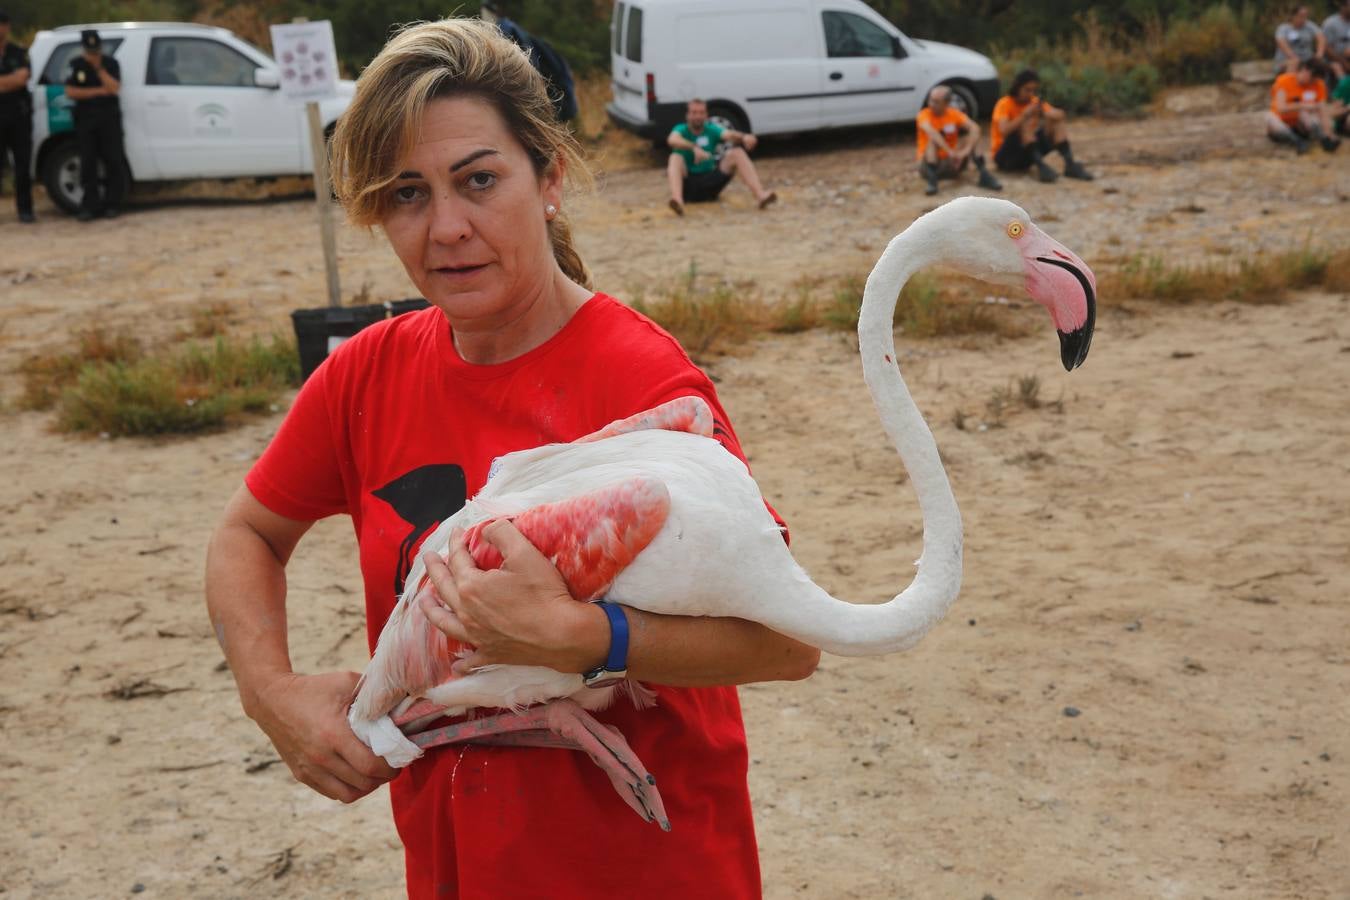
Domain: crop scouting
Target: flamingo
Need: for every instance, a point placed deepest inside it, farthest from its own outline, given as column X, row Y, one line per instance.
column 653, row 513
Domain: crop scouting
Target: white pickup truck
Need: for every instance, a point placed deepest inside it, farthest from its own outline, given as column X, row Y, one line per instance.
column 197, row 102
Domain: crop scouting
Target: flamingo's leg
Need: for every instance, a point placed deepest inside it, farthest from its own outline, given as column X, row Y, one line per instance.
column 562, row 723
column 688, row 414
column 415, row 715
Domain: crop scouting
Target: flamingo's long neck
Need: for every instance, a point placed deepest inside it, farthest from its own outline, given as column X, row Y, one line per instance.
column 855, row 629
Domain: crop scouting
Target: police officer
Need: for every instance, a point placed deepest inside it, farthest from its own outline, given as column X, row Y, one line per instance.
column 94, row 83
column 16, row 119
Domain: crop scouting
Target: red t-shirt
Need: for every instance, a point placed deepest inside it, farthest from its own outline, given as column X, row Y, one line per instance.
column 397, row 430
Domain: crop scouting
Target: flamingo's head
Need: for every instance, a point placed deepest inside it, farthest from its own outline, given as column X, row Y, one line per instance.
column 996, row 241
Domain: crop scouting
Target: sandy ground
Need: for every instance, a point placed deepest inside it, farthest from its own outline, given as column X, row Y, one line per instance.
column 1141, row 692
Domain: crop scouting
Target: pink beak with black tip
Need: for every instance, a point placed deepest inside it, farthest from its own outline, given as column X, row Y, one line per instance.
column 1062, row 283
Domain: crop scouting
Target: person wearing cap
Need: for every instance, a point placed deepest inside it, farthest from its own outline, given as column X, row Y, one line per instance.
column 94, row 83
column 16, row 119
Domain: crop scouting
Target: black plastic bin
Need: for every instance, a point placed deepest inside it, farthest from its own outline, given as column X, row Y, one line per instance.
column 319, row 331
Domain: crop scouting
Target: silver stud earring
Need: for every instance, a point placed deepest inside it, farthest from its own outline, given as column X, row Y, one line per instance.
column 550, row 210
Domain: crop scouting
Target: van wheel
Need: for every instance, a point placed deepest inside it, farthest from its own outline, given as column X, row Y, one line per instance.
column 61, row 177
column 963, row 98
column 728, row 116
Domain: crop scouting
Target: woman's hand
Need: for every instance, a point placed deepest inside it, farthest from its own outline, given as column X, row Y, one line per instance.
column 519, row 614
column 305, row 717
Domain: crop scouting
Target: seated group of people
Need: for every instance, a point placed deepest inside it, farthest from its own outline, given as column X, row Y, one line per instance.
column 1301, row 111
column 1310, row 98
column 1025, row 130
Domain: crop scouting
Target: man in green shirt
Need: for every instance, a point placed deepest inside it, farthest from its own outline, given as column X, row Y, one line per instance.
column 1340, row 106
column 695, row 173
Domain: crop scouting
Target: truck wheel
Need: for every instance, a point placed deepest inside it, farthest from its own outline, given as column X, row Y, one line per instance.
column 963, row 98
column 61, row 177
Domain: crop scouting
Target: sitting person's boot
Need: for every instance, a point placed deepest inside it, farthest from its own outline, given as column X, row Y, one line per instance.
column 1072, row 167
column 1045, row 173
column 1075, row 169
column 930, row 175
column 987, row 179
column 1329, row 144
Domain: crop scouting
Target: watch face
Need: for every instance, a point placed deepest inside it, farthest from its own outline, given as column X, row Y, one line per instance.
column 603, row 678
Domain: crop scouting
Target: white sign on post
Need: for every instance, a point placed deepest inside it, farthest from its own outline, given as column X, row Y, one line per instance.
column 306, row 60
column 307, row 63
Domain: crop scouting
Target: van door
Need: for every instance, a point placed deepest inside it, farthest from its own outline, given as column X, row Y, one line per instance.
column 629, row 78
column 767, row 62
column 865, row 81
column 206, row 118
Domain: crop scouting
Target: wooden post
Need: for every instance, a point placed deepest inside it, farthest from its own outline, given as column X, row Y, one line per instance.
column 323, row 194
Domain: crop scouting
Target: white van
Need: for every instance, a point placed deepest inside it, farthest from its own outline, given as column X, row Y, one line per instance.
column 775, row 66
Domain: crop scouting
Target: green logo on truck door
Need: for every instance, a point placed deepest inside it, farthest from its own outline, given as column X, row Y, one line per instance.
column 59, row 110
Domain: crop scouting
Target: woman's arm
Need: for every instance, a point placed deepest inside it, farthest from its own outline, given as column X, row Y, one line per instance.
column 305, row 716
column 521, row 614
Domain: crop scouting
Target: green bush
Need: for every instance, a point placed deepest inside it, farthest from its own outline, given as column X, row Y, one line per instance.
column 1200, row 50
column 190, row 389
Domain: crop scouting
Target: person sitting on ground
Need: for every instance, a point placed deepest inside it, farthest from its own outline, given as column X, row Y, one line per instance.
column 695, row 173
column 1026, row 128
column 1340, row 106
column 1298, row 40
column 947, row 140
column 1336, row 30
column 1298, row 108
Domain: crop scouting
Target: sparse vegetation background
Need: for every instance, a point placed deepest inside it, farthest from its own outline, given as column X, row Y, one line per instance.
column 1099, row 57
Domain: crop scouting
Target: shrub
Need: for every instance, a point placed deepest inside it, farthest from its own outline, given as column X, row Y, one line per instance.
column 1201, row 49
column 190, row 388
column 45, row 376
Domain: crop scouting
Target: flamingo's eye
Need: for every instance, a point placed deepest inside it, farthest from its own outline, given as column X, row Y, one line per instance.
column 1015, row 229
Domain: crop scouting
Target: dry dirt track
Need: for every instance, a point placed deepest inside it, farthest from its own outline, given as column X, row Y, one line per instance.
column 1165, row 554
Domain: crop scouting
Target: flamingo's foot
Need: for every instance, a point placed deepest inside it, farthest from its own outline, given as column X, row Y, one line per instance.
column 564, row 724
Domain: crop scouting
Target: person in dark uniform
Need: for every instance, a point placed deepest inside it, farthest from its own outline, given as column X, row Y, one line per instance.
column 94, row 83
column 16, row 119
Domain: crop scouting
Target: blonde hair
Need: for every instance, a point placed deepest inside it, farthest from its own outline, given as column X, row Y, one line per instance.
column 430, row 60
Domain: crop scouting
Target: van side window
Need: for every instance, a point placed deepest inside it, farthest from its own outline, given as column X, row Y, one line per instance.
column 58, row 64
column 634, row 48
column 616, row 27
column 198, row 61
column 850, row 35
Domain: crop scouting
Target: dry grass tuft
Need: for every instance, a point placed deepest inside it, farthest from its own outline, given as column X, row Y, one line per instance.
column 1263, row 279
column 108, row 383
column 46, row 375
column 185, row 389
column 705, row 316
column 928, row 306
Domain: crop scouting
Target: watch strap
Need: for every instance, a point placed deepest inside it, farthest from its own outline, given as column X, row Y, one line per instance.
column 617, row 661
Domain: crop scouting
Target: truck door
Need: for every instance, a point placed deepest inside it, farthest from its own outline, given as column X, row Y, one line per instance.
column 865, row 80
column 205, row 116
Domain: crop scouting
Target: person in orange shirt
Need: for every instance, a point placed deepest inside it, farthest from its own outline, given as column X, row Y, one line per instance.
column 1026, row 129
column 947, row 140
column 1298, row 108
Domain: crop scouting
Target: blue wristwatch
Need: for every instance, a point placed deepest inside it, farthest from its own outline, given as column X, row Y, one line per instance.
column 615, row 668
